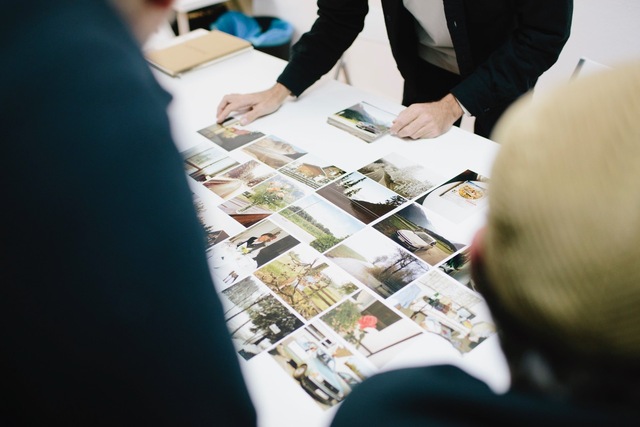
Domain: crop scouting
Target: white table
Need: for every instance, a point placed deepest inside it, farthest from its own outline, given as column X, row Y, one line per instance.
column 303, row 123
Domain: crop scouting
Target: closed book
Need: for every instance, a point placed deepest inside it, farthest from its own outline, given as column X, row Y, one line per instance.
column 196, row 52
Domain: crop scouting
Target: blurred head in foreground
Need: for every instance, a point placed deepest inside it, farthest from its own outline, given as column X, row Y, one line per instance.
column 559, row 259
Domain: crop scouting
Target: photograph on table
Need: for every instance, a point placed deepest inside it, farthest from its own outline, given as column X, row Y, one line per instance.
column 273, row 151
column 239, row 179
column 306, row 281
column 259, row 202
column 370, row 327
column 317, row 222
column 242, row 254
column 414, row 231
column 378, row 263
column 205, row 160
column 363, row 120
column 458, row 267
column 320, row 365
column 442, row 306
column 402, row 176
column 255, row 318
column 459, row 198
column 312, row 171
column 361, row 197
column 230, row 135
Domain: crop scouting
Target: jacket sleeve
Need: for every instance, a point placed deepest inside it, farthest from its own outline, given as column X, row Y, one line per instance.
column 338, row 24
column 542, row 29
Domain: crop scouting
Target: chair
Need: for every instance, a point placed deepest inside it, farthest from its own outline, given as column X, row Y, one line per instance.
column 587, row 66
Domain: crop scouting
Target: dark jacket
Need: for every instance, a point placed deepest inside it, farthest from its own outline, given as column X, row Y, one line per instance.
column 108, row 314
column 502, row 46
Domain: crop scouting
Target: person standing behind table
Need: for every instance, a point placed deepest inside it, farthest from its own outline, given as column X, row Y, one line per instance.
column 109, row 314
column 558, row 266
column 454, row 55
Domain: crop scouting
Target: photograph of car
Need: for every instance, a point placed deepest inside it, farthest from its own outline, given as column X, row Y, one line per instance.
column 315, row 369
column 415, row 240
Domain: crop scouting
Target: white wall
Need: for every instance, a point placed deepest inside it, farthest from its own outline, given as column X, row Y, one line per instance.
column 605, row 31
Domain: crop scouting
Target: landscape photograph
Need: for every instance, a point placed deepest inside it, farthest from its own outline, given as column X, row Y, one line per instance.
column 255, row 318
column 312, row 171
column 306, row 281
column 273, row 151
column 400, row 175
column 317, row 222
column 378, row 263
column 262, row 200
column 442, row 306
column 361, row 197
column 205, row 161
column 229, row 137
column 413, row 230
column 239, row 179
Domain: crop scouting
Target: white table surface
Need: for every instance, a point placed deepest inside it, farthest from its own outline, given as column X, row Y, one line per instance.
column 303, row 123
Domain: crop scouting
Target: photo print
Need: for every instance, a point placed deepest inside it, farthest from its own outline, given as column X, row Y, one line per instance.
column 243, row 253
column 372, row 328
column 363, row 120
column 208, row 217
column 205, row 161
column 274, row 152
column 317, row 222
column 239, row 179
column 458, row 268
column 255, row 318
column 262, row 200
column 230, row 135
column 378, row 263
column 413, row 230
column 361, row 197
column 442, row 306
column 306, row 281
column 320, row 364
column 400, row 175
column 311, row 171
column 459, row 198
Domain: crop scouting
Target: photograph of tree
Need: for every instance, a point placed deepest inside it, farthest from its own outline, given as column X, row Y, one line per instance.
column 458, row 198
column 319, row 364
column 262, row 200
column 361, row 197
column 413, row 230
column 240, row 255
column 239, row 179
column 229, row 137
column 311, row 171
column 371, row 327
column 317, row 222
column 377, row 262
column 444, row 307
column 400, row 175
column 273, row 151
column 255, row 318
column 306, row 281
column 205, row 161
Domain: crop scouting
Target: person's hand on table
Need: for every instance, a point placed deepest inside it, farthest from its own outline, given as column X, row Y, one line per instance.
column 252, row 105
column 427, row 120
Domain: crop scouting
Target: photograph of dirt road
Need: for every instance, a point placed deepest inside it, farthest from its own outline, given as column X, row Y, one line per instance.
column 411, row 228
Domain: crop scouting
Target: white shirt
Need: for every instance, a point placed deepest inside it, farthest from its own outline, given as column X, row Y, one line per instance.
column 436, row 46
